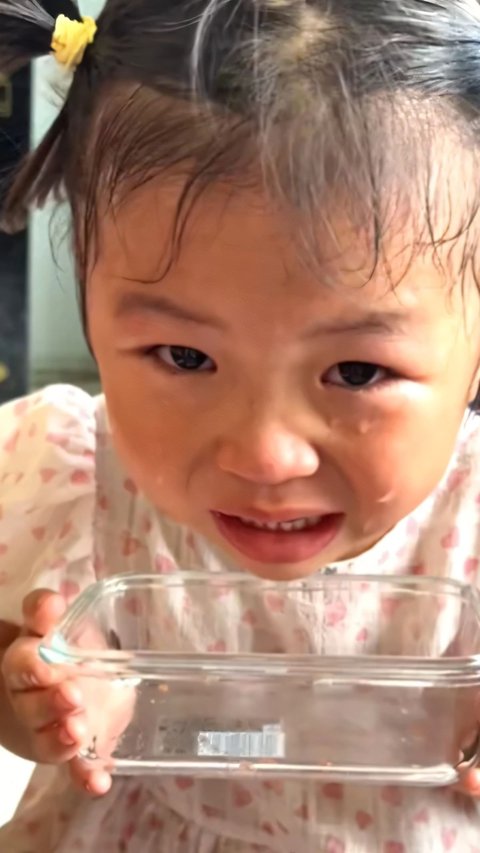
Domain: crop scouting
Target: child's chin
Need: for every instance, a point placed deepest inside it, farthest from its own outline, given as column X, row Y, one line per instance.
column 279, row 571
column 283, row 572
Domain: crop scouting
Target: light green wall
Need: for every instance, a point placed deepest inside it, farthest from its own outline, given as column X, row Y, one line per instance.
column 56, row 341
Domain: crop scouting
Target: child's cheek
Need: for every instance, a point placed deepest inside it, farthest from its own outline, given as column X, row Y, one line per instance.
column 388, row 472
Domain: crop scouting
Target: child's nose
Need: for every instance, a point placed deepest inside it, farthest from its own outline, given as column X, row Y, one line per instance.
column 268, row 456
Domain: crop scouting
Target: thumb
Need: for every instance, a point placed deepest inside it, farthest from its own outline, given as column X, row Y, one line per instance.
column 41, row 611
column 470, row 783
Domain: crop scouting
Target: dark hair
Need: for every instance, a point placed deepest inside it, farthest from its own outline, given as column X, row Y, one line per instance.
column 322, row 94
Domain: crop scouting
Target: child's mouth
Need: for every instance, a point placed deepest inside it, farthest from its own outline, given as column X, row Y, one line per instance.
column 289, row 541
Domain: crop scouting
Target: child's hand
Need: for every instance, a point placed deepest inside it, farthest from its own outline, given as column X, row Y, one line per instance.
column 470, row 783
column 50, row 707
column 470, row 777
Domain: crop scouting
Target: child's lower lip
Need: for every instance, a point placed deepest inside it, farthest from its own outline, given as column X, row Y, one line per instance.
column 266, row 546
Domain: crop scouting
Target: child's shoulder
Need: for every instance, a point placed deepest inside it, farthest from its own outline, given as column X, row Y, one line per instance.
column 468, row 444
column 48, row 446
column 47, row 440
column 460, row 486
column 52, row 430
column 443, row 534
column 54, row 401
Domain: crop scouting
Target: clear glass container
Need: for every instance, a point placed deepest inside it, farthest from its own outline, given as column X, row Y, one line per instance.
column 341, row 678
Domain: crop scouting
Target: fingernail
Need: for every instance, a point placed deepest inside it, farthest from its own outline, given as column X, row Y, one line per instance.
column 65, row 738
column 23, row 680
column 63, row 703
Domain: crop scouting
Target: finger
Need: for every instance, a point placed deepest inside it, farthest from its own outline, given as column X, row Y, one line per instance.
column 41, row 611
column 23, row 668
column 470, row 783
column 44, row 707
column 60, row 743
column 95, row 781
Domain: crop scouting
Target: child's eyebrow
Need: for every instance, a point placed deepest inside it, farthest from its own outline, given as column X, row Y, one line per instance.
column 130, row 304
column 373, row 323
column 385, row 322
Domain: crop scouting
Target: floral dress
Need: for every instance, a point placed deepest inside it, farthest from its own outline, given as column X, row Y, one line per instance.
column 70, row 514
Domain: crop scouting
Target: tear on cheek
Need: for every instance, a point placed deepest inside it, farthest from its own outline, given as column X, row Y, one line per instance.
column 388, row 497
column 365, row 426
column 368, row 526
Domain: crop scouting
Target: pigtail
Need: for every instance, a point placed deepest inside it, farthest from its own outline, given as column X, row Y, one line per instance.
column 39, row 175
column 26, row 32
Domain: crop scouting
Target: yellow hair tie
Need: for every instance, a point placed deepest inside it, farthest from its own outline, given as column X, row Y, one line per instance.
column 71, row 39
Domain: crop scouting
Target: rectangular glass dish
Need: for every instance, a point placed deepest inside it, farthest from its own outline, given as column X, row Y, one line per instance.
column 340, row 678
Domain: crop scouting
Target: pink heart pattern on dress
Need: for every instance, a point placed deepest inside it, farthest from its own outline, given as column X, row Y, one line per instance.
column 470, row 568
column 451, row 539
column 389, row 605
column 449, row 836
column 130, row 545
column 69, row 589
column 133, row 797
column 103, row 503
column 133, row 605
column 164, row 565
column 21, row 407
column 66, row 529
column 39, row 533
column 334, row 845
column 275, row 785
column 362, row 635
column 333, row 791
column 11, row 443
column 219, row 646
column 302, row 812
column 422, row 816
column 335, row 613
column 241, row 796
column 392, row 795
column 130, row 486
column 248, row 618
column 212, row 811
column 456, row 478
column 183, row 783
column 275, row 602
column 363, row 819
column 79, row 477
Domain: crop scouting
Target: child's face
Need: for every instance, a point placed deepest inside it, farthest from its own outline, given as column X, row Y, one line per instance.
column 339, row 404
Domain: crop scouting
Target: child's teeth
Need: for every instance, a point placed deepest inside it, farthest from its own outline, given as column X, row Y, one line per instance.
column 285, row 526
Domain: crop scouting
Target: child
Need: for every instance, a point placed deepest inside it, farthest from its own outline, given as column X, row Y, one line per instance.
column 275, row 219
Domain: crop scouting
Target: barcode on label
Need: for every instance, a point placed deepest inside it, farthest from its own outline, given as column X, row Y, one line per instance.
column 267, row 743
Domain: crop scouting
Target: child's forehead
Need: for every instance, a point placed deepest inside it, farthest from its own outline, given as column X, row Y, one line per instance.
column 239, row 257
column 243, row 230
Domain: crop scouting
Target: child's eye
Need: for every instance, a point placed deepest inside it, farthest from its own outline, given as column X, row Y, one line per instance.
column 356, row 374
column 183, row 359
